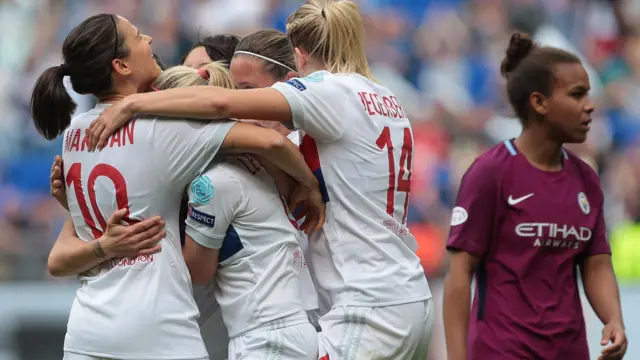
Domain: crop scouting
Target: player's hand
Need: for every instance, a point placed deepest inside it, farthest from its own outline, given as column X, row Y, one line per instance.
column 56, row 182
column 110, row 120
column 308, row 203
column 141, row 238
column 615, row 335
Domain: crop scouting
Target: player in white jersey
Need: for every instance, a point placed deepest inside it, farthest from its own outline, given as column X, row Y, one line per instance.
column 359, row 143
column 262, row 59
column 245, row 226
column 135, row 308
column 236, row 219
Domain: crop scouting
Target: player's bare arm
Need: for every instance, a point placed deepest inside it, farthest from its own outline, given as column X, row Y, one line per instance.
column 601, row 289
column 456, row 304
column 197, row 102
column 281, row 152
column 56, row 182
column 71, row 255
column 201, row 261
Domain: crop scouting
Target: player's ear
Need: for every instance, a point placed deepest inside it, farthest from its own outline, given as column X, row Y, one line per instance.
column 121, row 67
column 539, row 103
column 290, row 75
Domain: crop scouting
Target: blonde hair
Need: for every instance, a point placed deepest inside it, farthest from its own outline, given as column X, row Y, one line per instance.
column 331, row 31
column 213, row 74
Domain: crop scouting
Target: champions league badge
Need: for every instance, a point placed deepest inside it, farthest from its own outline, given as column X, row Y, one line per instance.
column 584, row 203
column 201, row 190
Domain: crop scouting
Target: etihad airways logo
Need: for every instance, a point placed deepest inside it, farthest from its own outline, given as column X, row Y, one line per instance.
column 554, row 235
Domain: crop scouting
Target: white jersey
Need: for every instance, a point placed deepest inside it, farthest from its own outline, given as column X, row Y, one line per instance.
column 235, row 207
column 136, row 308
column 295, row 137
column 359, row 144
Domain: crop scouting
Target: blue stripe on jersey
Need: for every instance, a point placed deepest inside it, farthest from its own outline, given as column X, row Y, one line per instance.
column 509, row 145
column 564, row 152
column 231, row 245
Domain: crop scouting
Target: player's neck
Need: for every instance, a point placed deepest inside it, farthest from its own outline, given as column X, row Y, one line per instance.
column 544, row 154
column 119, row 93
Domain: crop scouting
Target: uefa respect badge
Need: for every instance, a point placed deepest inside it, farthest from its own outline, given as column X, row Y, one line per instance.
column 201, row 190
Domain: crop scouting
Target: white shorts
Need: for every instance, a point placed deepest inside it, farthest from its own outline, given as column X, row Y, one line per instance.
column 297, row 342
column 74, row 356
column 390, row 332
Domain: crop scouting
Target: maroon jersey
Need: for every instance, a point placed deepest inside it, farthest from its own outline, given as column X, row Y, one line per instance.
column 530, row 229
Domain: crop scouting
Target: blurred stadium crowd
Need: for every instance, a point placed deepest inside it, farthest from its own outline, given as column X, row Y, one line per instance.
column 439, row 56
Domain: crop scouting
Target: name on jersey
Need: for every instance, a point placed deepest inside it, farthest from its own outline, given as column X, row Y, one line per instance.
column 375, row 104
column 554, row 235
column 202, row 218
column 75, row 140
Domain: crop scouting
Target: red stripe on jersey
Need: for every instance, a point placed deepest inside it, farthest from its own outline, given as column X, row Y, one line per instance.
column 309, row 150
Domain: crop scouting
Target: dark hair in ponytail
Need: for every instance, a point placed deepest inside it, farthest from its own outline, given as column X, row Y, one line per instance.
column 530, row 68
column 88, row 51
column 51, row 104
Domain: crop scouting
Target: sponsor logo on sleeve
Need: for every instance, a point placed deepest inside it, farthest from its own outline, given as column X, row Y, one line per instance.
column 201, row 190
column 202, row 218
column 458, row 216
column 297, row 84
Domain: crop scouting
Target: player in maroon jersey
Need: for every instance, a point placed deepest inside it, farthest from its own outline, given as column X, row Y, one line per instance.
column 528, row 214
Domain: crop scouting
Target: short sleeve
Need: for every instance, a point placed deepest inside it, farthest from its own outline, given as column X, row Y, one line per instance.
column 214, row 200
column 473, row 217
column 600, row 241
column 185, row 148
column 315, row 103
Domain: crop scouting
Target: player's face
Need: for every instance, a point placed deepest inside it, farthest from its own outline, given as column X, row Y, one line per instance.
column 197, row 58
column 248, row 73
column 139, row 66
column 570, row 107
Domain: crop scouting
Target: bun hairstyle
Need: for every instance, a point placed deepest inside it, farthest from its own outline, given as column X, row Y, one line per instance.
column 520, row 46
column 529, row 68
column 214, row 74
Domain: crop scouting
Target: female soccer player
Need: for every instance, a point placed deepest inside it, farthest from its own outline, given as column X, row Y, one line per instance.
column 136, row 308
column 359, row 144
column 528, row 214
column 262, row 59
column 210, row 49
column 259, row 283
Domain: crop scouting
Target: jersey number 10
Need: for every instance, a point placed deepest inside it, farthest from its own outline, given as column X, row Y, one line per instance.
column 74, row 176
column 402, row 185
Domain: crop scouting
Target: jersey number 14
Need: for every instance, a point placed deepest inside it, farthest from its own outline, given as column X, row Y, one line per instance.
column 402, row 184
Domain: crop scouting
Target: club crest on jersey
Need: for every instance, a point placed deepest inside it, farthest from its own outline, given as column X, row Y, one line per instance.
column 584, row 203
column 201, row 190
column 297, row 84
column 315, row 77
column 458, row 216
